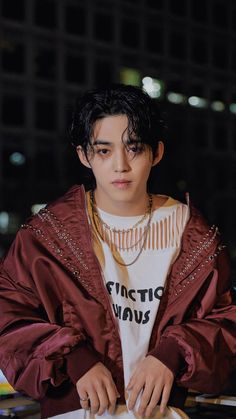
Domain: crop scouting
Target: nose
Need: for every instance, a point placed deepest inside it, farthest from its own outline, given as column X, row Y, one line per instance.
column 121, row 163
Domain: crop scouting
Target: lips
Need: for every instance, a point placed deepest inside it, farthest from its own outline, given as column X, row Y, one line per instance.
column 121, row 183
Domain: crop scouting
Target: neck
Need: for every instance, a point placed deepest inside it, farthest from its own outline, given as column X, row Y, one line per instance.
column 122, row 208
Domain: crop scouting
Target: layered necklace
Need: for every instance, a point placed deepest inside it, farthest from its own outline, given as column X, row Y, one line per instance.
column 100, row 226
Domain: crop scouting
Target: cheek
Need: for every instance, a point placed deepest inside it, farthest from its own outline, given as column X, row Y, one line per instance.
column 143, row 168
column 99, row 170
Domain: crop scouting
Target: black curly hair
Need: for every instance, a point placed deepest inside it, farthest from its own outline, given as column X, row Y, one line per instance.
column 143, row 113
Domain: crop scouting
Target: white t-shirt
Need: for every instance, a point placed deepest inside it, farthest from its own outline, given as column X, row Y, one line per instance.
column 135, row 291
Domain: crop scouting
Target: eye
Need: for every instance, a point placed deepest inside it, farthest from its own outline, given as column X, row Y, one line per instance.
column 135, row 148
column 103, row 151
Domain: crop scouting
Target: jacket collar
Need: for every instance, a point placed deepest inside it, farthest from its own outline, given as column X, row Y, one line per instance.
column 198, row 241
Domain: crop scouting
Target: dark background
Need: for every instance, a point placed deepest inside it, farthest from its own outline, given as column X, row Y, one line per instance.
column 51, row 51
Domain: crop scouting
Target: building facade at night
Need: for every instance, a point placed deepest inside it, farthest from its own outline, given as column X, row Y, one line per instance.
column 182, row 52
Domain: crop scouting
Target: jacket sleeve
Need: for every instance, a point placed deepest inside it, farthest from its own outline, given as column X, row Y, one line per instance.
column 201, row 350
column 35, row 351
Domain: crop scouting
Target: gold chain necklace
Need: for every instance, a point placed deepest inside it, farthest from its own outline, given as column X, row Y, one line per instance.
column 101, row 222
column 113, row 229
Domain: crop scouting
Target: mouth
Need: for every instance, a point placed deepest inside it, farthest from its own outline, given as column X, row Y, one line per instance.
column 121, row 184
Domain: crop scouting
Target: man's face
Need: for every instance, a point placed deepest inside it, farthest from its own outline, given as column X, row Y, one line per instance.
column 121, row 165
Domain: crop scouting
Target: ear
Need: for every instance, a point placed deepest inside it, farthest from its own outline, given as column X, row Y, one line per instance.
column 159, row 153
column 82, row 157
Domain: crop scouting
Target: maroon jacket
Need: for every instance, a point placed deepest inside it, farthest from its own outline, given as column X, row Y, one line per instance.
column 56, row 319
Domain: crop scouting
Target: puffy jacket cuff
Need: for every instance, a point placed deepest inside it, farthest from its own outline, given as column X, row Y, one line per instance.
column 79, row 361
column 170, row 354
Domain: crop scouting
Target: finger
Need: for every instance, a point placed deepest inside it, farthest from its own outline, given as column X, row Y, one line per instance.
column 103, row 400
column 134, row 394
column 154, row 399
column 113, row 394
column 84, row 401
column 130, row 385
column 132, row 382
column 94, row 402
column 145, row 399
column 164, row 398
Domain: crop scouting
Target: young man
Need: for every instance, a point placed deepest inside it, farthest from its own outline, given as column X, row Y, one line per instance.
column 115, row 301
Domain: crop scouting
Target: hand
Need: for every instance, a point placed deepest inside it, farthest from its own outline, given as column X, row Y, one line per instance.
column 98, row 390
column 155, row 380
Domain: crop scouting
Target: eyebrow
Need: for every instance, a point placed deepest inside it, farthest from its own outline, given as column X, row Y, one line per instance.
column 105, row 142
column 102, row 142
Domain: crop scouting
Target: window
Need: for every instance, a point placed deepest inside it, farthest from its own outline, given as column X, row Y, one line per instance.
column 199, row 10
column 103, row 27
column 75, row 20
column 220, row 14
column 178, row 8
column 217, row 94
column 220, row 138
column 233, row 58
column 75, row 68
column 45, row 13
column 13, row 112
column 131, row 1
column 130, row 33
column 233, row 16
column 45, row 63
column 200, row 174
column 69, row 108
column 221, row 205
column 234, row 143
column 13, row 58
column 233, row 178
column 197, row 88
column 45, row 113
column 221, row 177
column 154, row 39
column 130, row 76
column 45, row 159
column 179, row 133
column 14, row 170
column 103, row 72
column 199, row 50
column 177, row 46
column 175, row 86
column 199, row 132
column 13, row 9
column 154, row 4
column 220, row 57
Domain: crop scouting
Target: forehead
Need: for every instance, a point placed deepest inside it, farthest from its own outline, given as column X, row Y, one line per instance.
column 110, row 127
